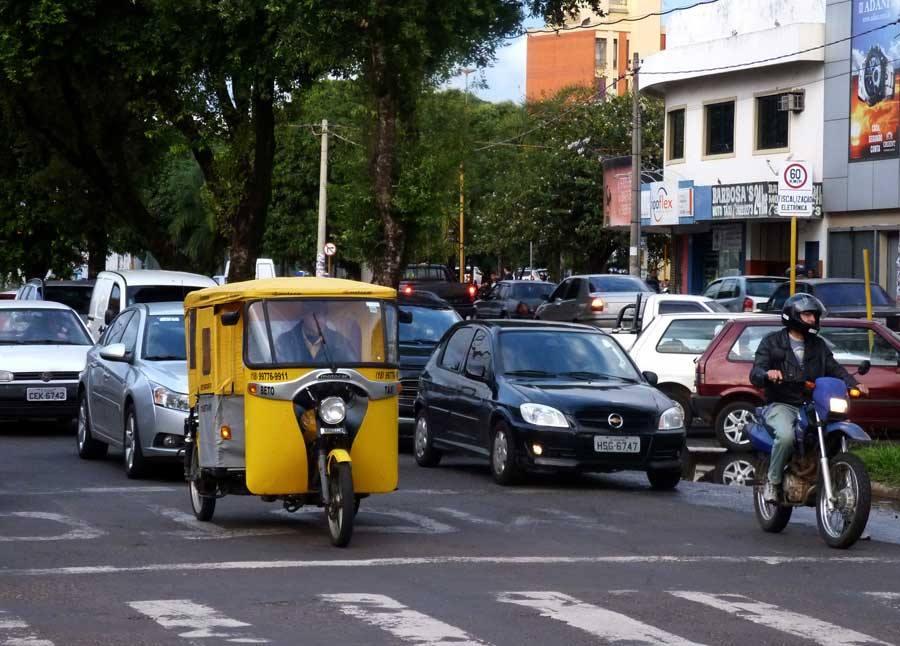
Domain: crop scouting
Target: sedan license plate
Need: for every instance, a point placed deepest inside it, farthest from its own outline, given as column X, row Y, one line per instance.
column 45, row 394
column 613, row 444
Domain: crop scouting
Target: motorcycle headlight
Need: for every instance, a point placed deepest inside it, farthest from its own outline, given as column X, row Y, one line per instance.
column 332, row 410
column 166, row 398
column 838, row 405
column 541, row 415
column 671, row 419
column 6, row 375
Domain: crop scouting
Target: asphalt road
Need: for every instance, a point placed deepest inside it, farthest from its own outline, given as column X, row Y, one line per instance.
column 89, row 557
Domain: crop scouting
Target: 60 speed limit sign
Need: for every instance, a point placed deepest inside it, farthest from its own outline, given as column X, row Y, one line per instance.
column 795, row 190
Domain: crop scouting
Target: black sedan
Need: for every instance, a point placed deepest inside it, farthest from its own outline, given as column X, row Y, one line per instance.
column 533, row 395
column 423, row 320
column 510, row 299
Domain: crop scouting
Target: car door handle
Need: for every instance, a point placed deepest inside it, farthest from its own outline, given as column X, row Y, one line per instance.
column 468, row 390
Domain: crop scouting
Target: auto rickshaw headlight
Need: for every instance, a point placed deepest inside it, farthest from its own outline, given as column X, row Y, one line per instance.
column 332, row 410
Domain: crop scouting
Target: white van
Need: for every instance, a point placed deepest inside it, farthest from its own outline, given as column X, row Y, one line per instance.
column 116, row 290
column 265, row 268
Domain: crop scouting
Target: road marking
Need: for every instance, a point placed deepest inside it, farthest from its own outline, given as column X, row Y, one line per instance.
column 583, row 521
column 891, row 599
column 416, row 523
column 771, row 616
column 15, row 632
column 201, row 621
column 403, row 623
column 470, row 518
column 200, row 530
column 453, row 560
column 611, row 627
column 88, row 490
column 80, row 530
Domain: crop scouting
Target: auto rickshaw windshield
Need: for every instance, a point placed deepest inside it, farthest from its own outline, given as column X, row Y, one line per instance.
column 317, row 332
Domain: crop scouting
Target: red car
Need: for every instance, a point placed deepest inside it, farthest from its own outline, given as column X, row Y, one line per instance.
column 726, row 399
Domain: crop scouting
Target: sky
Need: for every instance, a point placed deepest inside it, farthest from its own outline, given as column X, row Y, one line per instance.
column 505, row 80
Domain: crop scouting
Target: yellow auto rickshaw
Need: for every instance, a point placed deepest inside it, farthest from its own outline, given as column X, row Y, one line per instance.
column 293, row 394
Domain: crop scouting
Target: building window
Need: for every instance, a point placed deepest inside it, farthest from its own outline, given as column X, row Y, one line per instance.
column 600, row 53
column 771, row 123
column 720, row 128
column 615, row 53
column 618, row 5
column 675, row 135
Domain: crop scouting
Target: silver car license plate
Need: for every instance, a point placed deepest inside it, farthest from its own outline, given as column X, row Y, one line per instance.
column 614, row 444
column 45, row 394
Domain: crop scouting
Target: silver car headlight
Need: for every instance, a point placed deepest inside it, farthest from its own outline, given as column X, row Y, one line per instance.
column 166, row 398
column 6, row 375
column 671, row 419
column 838, row 405
column 332, row 410
column 541, row 415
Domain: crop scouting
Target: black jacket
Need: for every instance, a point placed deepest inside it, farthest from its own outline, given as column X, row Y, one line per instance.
column 775, row 353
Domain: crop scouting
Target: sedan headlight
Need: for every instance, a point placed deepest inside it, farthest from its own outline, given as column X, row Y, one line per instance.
column 166, row 398
column 541, row 415
column 6, row 375
column 671, row 419
column 838, row 405
column 332, row 410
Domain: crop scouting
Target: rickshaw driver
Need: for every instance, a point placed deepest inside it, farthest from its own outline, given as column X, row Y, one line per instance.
column 302, row 344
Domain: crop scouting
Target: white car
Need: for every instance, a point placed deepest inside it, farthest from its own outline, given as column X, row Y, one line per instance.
column 42, row 351
column 627, row 331
column 670, row 346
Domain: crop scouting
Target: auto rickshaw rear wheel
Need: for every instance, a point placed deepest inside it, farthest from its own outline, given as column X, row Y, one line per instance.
column 341, row 509
column 204, row 506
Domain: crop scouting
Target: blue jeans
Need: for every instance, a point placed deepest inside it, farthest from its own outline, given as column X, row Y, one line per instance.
column 781, row 418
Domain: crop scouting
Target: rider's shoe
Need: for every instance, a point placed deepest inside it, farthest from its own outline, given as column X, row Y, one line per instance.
column 772, row 493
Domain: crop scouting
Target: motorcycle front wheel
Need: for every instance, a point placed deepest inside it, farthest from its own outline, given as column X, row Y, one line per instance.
column 843, row 524
column 771, row 518
column 340, row 511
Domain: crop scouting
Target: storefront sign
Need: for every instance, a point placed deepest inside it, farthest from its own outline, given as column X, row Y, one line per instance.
column 754, row 200
column 874, row 104
column 663, row 203
column 795, row 190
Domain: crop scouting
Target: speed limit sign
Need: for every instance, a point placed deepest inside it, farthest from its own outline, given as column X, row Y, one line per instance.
column 795, row 190
column 330, row 249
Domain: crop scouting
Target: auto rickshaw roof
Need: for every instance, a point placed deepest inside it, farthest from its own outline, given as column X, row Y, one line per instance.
column 304, row 287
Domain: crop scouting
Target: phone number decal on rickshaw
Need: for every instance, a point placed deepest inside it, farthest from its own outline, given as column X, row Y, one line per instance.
column 269, row 375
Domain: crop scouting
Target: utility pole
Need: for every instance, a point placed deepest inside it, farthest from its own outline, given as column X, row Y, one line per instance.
column 462, row 184
column 323, row 201
column 634, row 249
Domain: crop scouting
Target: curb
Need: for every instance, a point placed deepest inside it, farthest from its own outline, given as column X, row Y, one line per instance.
column 885, row 491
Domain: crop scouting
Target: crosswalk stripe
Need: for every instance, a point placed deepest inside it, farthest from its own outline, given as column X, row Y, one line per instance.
column 402, row 622
column 612, row 627
column 891, row 599
column 16, row 632
column 201, row 621
column 771, row 616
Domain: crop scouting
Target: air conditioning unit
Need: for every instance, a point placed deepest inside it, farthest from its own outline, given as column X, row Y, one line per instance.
column 793, row 101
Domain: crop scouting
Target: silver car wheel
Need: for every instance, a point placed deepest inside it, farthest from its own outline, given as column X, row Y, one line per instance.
column 734, row 425
column 501, row 452
column 129, row 442
column 82, row 424
column 739, row 473
column 421, row 437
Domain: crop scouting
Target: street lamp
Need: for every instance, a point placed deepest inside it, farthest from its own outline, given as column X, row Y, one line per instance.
column 462, row 177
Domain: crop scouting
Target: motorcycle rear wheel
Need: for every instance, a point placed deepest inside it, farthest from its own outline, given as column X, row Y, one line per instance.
column 340, row 511
column 842, row 526
column 771, row 518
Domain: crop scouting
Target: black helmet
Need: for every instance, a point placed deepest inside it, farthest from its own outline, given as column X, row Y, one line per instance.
column 797, row 304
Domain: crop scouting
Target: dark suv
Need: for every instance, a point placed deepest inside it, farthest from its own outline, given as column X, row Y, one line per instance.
column 844, row 297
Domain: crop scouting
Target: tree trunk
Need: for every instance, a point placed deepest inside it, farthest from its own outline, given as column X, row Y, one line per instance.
column 98, row 249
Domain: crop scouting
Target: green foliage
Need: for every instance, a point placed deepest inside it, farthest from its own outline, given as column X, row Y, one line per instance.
column 882, row 459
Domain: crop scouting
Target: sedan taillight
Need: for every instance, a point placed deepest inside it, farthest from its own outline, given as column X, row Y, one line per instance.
column 748, row 304
column 597, row 304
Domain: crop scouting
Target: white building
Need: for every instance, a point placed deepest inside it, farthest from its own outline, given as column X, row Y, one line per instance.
column 742, row 98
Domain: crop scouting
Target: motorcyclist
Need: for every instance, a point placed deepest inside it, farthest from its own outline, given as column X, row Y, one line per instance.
column 784, row 360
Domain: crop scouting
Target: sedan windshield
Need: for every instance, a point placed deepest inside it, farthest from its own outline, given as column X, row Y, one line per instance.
column 611, row 284
column 41, row 327
column 762, row 287
column 578, row 355
column 165, row 338
column 849, row 294
column 532, row 291
column 428, row 324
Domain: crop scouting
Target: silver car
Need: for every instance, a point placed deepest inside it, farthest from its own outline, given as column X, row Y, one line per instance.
column 593, row 299
column 132, row 393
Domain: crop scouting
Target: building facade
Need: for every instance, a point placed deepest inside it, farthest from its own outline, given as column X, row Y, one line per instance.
column 733, row 121
column 592, row 56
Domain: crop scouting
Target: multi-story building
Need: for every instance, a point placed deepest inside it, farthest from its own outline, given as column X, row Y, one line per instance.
column 594, row 55
column 743, row 87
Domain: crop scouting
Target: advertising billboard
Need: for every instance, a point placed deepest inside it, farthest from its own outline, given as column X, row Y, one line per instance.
column 617, row 191
column 874, row 63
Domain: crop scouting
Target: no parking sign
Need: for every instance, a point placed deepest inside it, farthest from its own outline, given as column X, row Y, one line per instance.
column 795, row 190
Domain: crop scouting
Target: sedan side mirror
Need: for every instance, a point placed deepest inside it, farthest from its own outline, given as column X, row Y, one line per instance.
column 864, row 367
column 115, row 352
column 651, row 377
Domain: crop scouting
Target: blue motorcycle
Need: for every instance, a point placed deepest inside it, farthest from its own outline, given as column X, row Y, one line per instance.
column 821, row 473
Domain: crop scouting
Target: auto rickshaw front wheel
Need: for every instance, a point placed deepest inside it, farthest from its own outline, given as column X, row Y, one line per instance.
column 341, row 508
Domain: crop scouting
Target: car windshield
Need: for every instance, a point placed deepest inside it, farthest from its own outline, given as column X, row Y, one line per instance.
column 41, row 327
column 531, row 291
column 317, row 332
column 849, row 294
column 78, row 297
column 762, row 288
column 424, row 273
column 611, row 284
column 159, row 293
column 164, row 338
column 555, row 353
column 428, row 324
